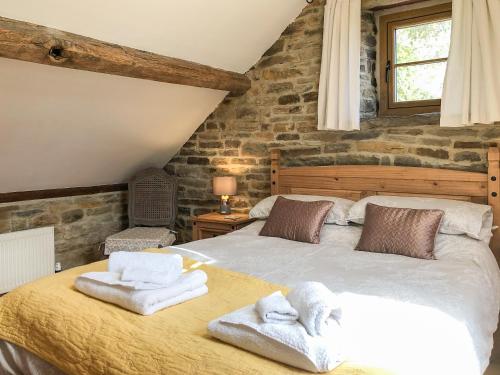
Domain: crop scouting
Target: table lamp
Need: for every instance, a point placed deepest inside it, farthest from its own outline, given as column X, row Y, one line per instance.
column 224, row 186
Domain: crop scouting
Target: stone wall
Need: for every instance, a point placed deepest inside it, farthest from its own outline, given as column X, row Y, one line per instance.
column 81, row 223
column 279, row 111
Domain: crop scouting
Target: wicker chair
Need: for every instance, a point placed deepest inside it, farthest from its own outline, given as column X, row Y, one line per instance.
column 152, row 209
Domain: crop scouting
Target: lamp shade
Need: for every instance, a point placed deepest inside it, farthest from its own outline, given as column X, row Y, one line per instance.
column 224, row 185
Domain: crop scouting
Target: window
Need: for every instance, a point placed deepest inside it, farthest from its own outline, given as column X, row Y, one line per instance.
column 414, row 48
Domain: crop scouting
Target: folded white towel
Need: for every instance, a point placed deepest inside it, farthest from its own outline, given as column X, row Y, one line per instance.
column 148, row 276
column 287, row 343
column 170, row 264
column 146, row 302
column 114, row 278
column 276, row 309
column 315, row 304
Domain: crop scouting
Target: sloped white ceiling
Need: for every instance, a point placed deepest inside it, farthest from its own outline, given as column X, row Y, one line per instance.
column 67, row 128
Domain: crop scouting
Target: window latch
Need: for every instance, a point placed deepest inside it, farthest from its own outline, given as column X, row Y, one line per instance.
column 387, row 70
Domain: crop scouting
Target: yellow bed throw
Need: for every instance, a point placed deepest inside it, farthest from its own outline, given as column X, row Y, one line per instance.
column 80, row 335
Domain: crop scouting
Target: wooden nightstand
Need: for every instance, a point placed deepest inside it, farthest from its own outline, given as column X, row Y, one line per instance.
column 214, row 224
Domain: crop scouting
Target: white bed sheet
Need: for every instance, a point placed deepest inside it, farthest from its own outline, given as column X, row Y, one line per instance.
column 410, row 315
column 414, row 316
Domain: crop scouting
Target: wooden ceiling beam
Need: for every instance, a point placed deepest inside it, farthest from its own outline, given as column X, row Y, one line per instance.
column 39, row 44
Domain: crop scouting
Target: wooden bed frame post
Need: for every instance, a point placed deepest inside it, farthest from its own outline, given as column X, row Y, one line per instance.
column 275, row 170
column 494, row 193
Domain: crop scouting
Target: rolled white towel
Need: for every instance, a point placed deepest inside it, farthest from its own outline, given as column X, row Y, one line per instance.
column 138, row 264
column 146, row 302
column 316, row 304
column 286, row 343
column 149, row 276
column 275, row 308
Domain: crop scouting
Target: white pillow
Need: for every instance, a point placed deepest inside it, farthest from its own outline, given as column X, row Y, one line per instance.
column 474, row 220
column 338, row 214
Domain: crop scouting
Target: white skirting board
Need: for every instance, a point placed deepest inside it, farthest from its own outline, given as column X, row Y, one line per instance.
column 25, row 256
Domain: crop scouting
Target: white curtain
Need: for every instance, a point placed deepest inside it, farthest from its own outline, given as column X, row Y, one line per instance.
column 471, row 93
column 339, row 87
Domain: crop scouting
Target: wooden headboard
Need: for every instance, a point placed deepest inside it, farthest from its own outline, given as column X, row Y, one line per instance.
column 358, row 181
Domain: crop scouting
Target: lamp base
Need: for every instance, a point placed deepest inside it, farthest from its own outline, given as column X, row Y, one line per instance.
column 225, row 207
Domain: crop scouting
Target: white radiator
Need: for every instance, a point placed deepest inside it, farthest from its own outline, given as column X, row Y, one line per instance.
column 25, row 256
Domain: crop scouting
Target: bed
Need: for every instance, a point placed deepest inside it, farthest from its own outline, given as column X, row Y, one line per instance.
column 406, row 315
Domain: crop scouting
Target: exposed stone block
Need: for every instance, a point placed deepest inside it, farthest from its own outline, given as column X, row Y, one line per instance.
column 453, row 132
column 275, row 48
column 465, row 144
column 287, row 110
column 381, row 147
column 210, row 144
column 405, row 131
column 310, row 97
column 232, row 143
column 407, row 161
column 246, row 113
column 294, row 28
column 287, row 137
column 467, row 156
column 99, row 210
column 323, row 136
column 433, row 153
column 255, row 149
column 219, row 161
column 198, row 161
column 442, row 142
column 289, row 99
column 312, row 161
column 361, row 135
column 281, row 128
column 354, row 159
column 28, row 213
column 279, row 87
column 247, row 161
column 72, row 216
column 4, row 226
column 275, row 60
column 492, row 132
column 301, row 151
column 386, row 160
column 337, row 147
column 281, row 74
column 209, row 135
column 229, row 153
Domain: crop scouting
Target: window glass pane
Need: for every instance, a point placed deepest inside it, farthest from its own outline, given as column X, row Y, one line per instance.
column 419, row 82
column 423, row 42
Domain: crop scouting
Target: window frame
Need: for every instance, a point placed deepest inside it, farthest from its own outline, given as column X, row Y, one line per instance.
column 387, row 27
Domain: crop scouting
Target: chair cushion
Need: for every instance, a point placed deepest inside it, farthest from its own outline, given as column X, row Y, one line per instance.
column 138, row 239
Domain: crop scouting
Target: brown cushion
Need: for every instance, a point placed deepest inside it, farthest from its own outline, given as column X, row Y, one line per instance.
column 296, row 220
column 402, row 231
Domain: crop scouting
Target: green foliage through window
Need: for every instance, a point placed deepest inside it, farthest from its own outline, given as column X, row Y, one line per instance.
column 421, row 44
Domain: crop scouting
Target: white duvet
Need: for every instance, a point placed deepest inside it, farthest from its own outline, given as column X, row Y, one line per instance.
column 409, row 315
